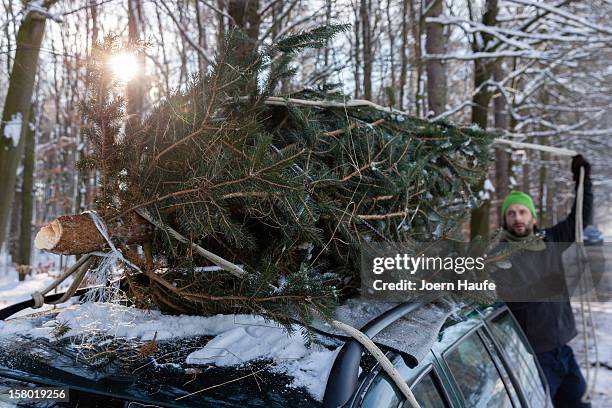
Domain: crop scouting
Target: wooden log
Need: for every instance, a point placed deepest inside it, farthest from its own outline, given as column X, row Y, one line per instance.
column 77, row 234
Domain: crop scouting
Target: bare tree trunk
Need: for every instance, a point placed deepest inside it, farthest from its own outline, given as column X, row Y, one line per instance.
column 404, row 58
column 328, row 16
column 550, row 202
column 135, row 87
column 502, row 122
column 27, row 192
column 220, row 22
column 93, row 5
column 166, row 64
column 527, row 169
column 246, row 16
column 392, row 91
column 416, row 22
column 366, row 33
column 17, row 108
column 479, row 223
column 436, row 69
column 542, row 215
column 8, row 8
column 202, row 63
column 357, row 53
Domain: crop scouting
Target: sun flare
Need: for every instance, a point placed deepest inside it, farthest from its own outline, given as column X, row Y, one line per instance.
column 125, row 66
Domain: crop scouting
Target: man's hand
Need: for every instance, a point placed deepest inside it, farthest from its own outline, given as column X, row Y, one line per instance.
column 577, row 162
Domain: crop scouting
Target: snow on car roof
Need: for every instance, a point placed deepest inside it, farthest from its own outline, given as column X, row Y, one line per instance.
column 414, row 334
column 238, row 339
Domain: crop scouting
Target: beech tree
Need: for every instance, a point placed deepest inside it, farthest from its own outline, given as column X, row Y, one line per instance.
column 16, row 112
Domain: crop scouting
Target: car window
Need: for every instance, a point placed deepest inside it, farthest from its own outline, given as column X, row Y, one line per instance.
column 427, row 393
column 476, row 374
column 383, row 393
column 524, row 365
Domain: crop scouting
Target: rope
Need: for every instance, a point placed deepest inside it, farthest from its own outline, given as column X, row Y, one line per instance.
column 114, row 255
column 534, row 146
column 382, row 359
column 104, row 271
column 584, row 295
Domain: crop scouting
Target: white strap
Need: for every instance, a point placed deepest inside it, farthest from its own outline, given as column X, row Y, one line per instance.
column 382, row 359
column 114, row 255
column 39, row 300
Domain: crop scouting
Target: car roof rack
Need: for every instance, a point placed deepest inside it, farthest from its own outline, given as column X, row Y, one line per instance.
column 18, row 307
column 342, row 380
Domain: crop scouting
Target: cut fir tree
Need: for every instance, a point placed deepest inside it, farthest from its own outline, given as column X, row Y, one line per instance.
column 284, row 187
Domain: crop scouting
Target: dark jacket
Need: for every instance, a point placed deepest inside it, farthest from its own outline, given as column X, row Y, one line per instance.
column 549, row 324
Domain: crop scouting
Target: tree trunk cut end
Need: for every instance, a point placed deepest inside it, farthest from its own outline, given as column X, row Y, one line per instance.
column 48, row 236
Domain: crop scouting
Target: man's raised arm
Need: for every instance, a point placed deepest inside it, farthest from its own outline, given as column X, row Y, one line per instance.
column 565, row 231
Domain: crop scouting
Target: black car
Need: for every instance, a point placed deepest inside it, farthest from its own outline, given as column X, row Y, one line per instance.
column 465, row 357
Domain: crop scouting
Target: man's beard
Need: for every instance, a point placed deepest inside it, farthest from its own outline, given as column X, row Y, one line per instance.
column 527, row 230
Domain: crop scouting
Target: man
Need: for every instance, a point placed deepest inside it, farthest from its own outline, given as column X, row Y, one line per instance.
column 549, row 325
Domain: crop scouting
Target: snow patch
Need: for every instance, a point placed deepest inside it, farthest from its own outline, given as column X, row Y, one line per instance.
column 14, row 291
column 12, row 129
column 309, row 367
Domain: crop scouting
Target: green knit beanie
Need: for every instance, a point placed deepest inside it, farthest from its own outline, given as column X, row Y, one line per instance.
column 517, row 197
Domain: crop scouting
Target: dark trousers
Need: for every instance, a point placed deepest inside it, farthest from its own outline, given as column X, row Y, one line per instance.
column 565, row 380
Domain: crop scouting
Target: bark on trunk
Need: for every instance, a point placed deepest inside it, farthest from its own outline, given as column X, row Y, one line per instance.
column 25, row 226
column 364, row 14
column 404, row 56
column 417, row 22
column 17, row 108
column 436, row 69
column 77, row 234
column 135, row 87
column 479, row 223
column 502, row 122
column 246, row 17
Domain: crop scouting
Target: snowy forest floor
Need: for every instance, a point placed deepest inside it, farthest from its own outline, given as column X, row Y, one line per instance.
column 602, row 316
column 45, row 271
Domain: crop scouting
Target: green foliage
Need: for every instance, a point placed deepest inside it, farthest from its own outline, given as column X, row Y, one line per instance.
column 315, row 38
column 288, row 191
column 103, row 112
column 60, row 329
